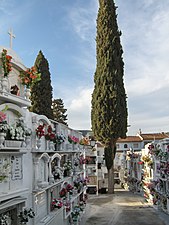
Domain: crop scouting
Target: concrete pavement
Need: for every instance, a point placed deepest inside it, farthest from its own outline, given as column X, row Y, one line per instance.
column 121, row 208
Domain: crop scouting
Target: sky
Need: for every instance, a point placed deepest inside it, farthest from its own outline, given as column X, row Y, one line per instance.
column 65, row 31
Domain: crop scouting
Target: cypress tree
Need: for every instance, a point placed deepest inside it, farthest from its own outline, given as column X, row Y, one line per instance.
column 41, row 92
column 59, row 111
column 109, row 107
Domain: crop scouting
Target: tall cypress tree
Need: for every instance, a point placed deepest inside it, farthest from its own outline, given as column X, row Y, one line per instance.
column 41, row 93
column 59, row 111
column 109, row 107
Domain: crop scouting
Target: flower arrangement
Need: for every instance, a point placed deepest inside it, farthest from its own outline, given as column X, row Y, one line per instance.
column 4, row 171
column 82, row 160
column 85, row 181
column 76, row 212
column 67, row 206
column 76, row 162
column 17, row 131
column 60, row 138
column 3, row 123
column 78, row 184
column 56, row 203
column 30, row 77
column 6, row 62
column 146, row 158
column 151, row 149
column 67, row 165
column 63, row 192
column 73, row 139
column 40, row 132
column 69, row 188
column 25, row 215
column 154, row 149
column 28, row 132
column 84, row 141
column 2, row 116
column 50, row 135
column 4, row 219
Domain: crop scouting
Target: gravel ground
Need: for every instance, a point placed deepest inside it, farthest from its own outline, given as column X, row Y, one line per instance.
column 121, row 208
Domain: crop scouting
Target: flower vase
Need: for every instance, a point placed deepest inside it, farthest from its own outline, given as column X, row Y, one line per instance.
column 4, row 83
column 58, row 147
column 51, row 146
column 47, row 145
column 2, row 139
column 27, row 141
column 27, row 93
column 38, row 143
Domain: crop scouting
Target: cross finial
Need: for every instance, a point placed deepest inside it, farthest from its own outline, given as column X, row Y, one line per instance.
column 11, row 35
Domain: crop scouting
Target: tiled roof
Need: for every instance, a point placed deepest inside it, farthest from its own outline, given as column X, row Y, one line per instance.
column 153, row 136
column 140, row 137
column 129, row 139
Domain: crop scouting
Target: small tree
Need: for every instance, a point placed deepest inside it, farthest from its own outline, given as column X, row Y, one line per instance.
column 109, row 110
column 41, row 93
column 59, row 111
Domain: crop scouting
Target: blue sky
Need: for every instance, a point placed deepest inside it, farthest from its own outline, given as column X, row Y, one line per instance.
column 65, row 31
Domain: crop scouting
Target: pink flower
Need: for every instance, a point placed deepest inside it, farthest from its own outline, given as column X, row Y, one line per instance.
column 2, row 116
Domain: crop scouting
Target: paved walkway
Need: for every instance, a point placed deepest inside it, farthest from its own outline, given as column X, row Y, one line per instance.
column 122, row 208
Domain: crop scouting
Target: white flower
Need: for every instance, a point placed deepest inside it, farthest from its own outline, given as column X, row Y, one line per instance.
column 28, row 131
column 18, row 131
column 67, row 165
column 4, row 126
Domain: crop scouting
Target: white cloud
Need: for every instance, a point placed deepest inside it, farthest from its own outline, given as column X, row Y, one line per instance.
column 79, row 110
column 146, row 47
column 145, row 34
column 83, row 19
column 146, row 62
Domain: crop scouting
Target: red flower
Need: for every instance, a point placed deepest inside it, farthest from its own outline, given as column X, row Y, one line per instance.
column 69, row 187
column 40, row 131
column 50, row 135
column 63, row 192
column 6, row 59
column 30, row 75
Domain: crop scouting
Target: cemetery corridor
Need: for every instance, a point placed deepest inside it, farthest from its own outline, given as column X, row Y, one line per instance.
column 122, row 208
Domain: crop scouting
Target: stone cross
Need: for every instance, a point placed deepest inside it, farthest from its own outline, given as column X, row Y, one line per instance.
column 11, row 35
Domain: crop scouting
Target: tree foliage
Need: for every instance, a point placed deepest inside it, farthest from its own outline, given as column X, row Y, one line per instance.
column 59, row 111
column 109, row 107
column 41, row 92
